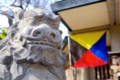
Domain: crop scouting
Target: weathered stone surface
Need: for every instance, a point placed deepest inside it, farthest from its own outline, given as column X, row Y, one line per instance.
column 32, row 51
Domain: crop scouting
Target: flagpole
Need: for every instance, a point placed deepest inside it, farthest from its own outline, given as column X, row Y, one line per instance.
column 71, row 69
column 69, row 50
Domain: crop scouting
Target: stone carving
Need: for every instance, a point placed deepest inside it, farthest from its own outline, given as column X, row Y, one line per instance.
column 32, row 51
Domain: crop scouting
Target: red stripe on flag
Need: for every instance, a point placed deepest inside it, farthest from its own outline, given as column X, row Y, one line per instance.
column 89, row 60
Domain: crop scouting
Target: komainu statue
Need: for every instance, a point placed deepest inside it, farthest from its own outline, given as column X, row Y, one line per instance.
column 31, row 50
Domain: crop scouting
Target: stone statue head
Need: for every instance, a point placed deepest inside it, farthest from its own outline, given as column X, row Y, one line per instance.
column 35, row 38
column 31, row 50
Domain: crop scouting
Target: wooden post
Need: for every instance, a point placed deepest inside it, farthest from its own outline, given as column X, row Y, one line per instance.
column 115, row 38
column 110, row 4
column 117, row 11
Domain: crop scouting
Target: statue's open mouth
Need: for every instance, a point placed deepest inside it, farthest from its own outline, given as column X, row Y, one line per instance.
column 43, row 43
column 35, row 41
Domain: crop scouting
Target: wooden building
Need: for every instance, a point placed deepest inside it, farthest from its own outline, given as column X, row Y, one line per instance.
column 81, row 16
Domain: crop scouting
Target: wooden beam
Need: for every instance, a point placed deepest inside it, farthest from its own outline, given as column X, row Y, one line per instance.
column 110, row 5
column 105, row 27
column 117, row 11
column 114, row 52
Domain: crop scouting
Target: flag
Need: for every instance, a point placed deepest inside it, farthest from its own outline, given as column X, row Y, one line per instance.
column 88, row 49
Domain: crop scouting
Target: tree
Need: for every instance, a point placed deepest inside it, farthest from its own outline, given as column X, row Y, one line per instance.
column 8, row 7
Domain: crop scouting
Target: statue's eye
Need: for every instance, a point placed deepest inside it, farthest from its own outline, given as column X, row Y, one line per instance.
column 53, row 34
column 60, row 31
column 36, row 33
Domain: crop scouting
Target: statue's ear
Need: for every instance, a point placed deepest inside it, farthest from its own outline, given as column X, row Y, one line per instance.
column 54, row 21
column 57, row 20
column 19, row 15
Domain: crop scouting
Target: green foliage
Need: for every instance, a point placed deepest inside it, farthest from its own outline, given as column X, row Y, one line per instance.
column 3, row 33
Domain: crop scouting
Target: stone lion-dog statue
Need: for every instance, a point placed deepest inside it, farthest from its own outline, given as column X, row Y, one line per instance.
column 31, row 50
